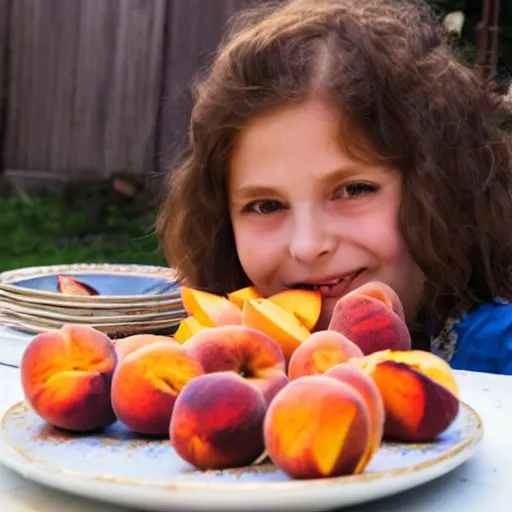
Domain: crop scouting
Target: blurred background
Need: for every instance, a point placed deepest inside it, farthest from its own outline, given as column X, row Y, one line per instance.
column 94, row 103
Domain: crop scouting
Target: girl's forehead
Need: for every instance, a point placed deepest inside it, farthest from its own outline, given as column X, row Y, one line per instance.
column 299, row 138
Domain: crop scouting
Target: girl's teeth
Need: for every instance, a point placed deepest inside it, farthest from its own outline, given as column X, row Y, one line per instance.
column 308, row 286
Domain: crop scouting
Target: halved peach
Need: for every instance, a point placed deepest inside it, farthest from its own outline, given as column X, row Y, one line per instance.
column 281, row 325
column 420, row 399
column 238, row 297
column 210, row 309
column 306, row 305
column 71, row 286
column 187, row 328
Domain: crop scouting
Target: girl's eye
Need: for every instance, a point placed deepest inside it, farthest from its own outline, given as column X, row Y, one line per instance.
column 262, row 207
column 355, row 190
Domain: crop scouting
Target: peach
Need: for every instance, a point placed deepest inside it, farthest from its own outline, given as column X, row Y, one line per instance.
column 276, row 322
column 369, row 392
column 146, row 383
column 187, row 328
column 217, row 422
column 248, row 352
column 209, row 309
column 306, row 305
column 370, row 323
column 317, row 427
column 70, row 286
column 125, row 346
column 381, row 291
column 419, row 392
column 238, row 297
column 66, row 377
column 319, row 352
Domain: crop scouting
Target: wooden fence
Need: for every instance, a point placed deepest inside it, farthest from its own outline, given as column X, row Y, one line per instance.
column 91, row 88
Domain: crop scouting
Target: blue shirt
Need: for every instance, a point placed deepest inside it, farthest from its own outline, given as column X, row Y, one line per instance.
column 479, row 341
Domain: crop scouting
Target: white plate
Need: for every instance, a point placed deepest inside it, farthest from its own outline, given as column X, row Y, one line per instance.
column 113, row 329
column 38, row 313
column 92, row 308
column 121, row 468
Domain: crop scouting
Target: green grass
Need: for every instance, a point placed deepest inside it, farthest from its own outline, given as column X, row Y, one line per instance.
column 85, row 224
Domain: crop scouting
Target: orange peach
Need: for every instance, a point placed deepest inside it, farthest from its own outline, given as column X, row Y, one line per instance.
column 209, row 309
column 419, row 392
column 306, row 305
column 146, row 383
column 66, row 377
column 248, row 352
column 319, row 352
column 125, row 346
column 369, row 392
column 370, row 323
column 187, row 328
column 217, row 422
column 238, row 297
column 317, row 427
column 276, row 322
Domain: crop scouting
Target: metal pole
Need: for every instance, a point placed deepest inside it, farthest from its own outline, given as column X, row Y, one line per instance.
column 487, row 43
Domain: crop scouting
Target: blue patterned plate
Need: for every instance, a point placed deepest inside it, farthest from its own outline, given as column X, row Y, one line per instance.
column 114, row 282
column 119, row 467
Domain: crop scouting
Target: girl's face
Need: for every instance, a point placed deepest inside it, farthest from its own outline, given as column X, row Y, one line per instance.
column 306, row 214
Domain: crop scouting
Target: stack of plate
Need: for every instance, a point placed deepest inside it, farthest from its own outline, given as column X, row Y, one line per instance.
column 130, row 299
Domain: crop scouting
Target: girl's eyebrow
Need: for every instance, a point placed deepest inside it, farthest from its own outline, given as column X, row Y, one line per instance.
column 331, row 177
column 251, row 191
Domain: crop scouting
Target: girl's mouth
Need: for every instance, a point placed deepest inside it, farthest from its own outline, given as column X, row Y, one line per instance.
column 334, row 288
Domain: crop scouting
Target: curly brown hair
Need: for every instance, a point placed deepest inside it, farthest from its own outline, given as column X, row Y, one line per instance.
column 389, row 69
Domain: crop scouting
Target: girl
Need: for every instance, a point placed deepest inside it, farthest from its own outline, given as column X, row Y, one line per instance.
column 336, row 142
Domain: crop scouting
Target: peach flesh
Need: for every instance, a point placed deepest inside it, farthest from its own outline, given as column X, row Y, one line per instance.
column 276, row 322
column 417, row 408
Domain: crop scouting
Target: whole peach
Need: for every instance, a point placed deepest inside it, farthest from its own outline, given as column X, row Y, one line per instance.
column 317, row 427
column 217, row 422
column 369, row 323
column 146, row 383
column 355, row 378
column 125, row 346
column 320, row 352
column 66, row 377
column 248, row 352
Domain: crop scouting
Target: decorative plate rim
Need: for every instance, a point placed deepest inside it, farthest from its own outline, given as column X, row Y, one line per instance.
column 470, row 444
column 8, row 276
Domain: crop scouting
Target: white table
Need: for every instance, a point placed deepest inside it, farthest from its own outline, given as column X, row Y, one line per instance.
column 482, row 484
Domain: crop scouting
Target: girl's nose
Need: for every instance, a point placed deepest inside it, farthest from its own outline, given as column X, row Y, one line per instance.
column 310, row 237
